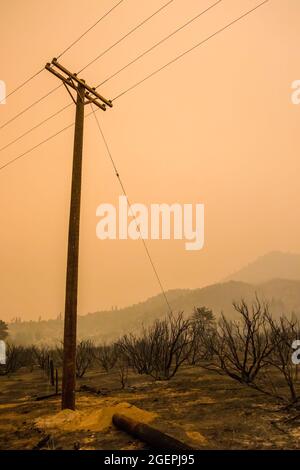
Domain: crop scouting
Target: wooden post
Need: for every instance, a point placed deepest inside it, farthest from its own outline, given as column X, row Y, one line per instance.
column 70, row 326
column 56, row 381
column 51, row 372
column 47, row 368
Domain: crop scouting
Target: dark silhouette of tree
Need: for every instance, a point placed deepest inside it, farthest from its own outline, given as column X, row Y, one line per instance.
column 203, row 325
column 160, row 349
column 84, row 357
column 3, row 330
column 203, row 315
column 242, row 347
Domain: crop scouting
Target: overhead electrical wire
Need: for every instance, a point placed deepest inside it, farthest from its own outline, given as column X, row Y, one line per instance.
column 35, row 127
column 180, row 56
column 127, row 35
column 118, row 96
column 89, row 29
column 27, row 152
column 30, row 106
column 152, row 74
column 123, row 68
column 86, row 66
column 163, row 291
column 22, row 85
column 166, row 38
column 61, row 54
column 35, row 147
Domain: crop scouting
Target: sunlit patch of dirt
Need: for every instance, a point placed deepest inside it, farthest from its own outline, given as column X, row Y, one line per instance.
column 9, row 405
column 197, row 438
column 91, row 418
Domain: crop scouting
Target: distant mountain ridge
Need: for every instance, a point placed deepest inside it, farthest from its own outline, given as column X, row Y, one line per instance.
column 273, row 265
column 274, row 277
column 282, row 295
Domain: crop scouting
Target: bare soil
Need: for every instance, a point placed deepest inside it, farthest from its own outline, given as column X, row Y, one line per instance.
column 201, row 408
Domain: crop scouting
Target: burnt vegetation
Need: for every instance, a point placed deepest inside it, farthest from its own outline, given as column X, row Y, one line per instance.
column 255, row 350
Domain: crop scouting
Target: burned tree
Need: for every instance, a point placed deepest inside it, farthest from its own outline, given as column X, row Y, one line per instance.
column 283, row 333
column 203, row 326
column 41, row 355
column 122, row 369
column 84, row 357
column 106, row 356
column 3, row 330
column 241, row 348
column 160, row 349
column 253, row 348
column 14, row 359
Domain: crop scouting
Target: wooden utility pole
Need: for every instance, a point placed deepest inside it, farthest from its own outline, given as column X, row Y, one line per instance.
column 84, row 94
column 70, row 327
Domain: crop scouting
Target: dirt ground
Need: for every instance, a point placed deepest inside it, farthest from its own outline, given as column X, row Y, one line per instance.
column 201, row 408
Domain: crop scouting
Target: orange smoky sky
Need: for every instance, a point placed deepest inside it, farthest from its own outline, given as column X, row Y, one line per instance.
column 217, row 127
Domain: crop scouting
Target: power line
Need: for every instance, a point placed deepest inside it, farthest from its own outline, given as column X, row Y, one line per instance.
column 35, row 147
column 159, row 43
column 127, row 35
column 132, row 214
column 189, row 50
column 35, row 127
column 61, row 54
column 29, row 107
column 22, row 84
column 152, row 74
column 112, row 160
column 10, row 162
column 86, row 66
column 116, row 73
column 89, row 29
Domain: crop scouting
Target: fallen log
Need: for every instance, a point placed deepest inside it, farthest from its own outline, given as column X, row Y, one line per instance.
column 96, row 391
column 147, row 434
column 42, row 442
column 46, row 397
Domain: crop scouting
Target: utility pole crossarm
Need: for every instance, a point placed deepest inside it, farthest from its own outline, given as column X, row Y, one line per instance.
column 71, row 79
column 84, row 95
column 73, row 76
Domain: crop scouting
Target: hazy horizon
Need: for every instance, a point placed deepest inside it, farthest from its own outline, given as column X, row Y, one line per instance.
column 232, row 277
column 218, row 127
